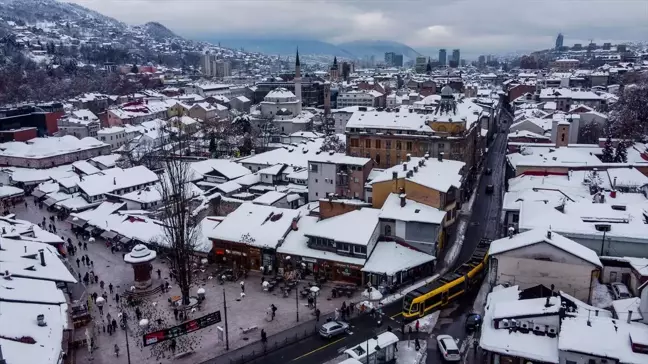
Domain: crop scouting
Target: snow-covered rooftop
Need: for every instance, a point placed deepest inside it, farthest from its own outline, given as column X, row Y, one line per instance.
column 339, row 158
column 48, row 147
column 354, row 227
column 21, row 257
column 296, row 243
column 432, row 173
column 389, row 258
column 223, row 167
column 539, row 236
column 412, row 211
column 255, row 225
column 269, row 198
column 115, row 179
column 292, row 155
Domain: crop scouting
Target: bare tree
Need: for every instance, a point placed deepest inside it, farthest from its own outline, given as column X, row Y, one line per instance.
column 180, row 232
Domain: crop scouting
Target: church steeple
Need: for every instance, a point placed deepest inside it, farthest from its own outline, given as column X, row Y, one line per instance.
column 297, row 63
column 335, row 62
column 297, row 80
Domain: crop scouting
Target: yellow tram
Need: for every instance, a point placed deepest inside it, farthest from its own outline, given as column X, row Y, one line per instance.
column 448, row 287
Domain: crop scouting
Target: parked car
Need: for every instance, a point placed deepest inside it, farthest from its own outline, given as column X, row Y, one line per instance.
column 448, row 348
column 620, row 291
column 489, row 189
column 333, row 328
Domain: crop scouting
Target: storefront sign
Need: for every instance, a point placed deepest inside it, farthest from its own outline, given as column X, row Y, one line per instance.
column 310, row 260
column 236, row 252
column 220, row 251
column 347, row 266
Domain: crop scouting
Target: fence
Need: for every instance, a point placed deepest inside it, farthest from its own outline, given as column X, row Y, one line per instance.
column 270, row 348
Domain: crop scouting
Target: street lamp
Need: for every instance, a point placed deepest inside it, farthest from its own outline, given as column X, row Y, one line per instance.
column 125, row 321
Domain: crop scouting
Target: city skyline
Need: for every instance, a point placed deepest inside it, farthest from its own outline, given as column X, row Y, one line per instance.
column 434, row 24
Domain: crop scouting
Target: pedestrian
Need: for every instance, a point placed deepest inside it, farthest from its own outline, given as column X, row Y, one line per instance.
column 85, row 279
column 100, row 307
column 351, row 307
column 94, row 297
column 417, row 344
column 78, row 263
column 317, row 314
column 83, row 260
column 92, row 277
column 108, row 317
column 110, row 287
column 117, row 297
column 337, row 314
column 417, row 326
column 25, row 205
column 274, row 311
column 110, row 329
column 310, row 301
column 264, row 339
column 172, row 346
column 162, row 287
column 96, row 278
column 80, row 246
column 138, row 313
column 105, row 296
column 159, row 272
column 92, row 264
column 101, row 284
column 116, row 350
column 79, row 273
column 85, row 245
column 175, row 313
column 114, row 324
column 243, row 286
column 166, row 286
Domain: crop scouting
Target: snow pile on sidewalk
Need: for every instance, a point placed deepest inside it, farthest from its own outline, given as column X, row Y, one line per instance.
column 407, row 355
column 480, row 301
column 397, row 296
column 601, row 297
column 426, row 323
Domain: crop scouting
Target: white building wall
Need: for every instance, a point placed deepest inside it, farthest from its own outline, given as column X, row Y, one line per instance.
column 321, row 182
column 401, row 227
column 546, row 265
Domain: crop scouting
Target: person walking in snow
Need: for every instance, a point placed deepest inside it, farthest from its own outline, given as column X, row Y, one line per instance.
column 78, row 263
column 110, row 288
column 417, row 326
column 273, row 308
column 243, row 286
column 116, row 350
column 337, row 314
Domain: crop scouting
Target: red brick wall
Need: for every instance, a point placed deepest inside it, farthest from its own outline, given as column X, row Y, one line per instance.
column 51, row 121
column 25, row 135
column 520, row 90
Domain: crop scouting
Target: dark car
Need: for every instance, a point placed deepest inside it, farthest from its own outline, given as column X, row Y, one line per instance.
column 473, row 321
column 490, row 188
column 488, row 171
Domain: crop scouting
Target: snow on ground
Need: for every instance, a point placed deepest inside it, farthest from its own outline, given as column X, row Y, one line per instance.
column 426, row 323
column 602, row 297
column 397, row 296
column 480, row 301
column 455, row 249
column 407, row 355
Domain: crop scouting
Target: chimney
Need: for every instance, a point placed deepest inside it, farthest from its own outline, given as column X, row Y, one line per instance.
column 409, row 157
column 427, row 156
column 629, row 316
column 394, row 175
column 596, row 312
column 440, row 157
column 614, row 184
column 41, row 253
column 403, row 197
column 415, row 169
column 114, row 180
column 293, row 225
column 40, row 319
column 2, row 360
column 547, row 303
column 548, row 234
column 404, row 166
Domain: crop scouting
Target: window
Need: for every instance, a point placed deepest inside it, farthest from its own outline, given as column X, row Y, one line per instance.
column 368, row 143
column 398, row 146
column 388, row 144
column 570, row 362
column 344, row 247
column 387, row 230
column 378, row 158
column 562, row 137
column 441, row 146
column 378, row 144
column 409, row 145
column 516, row 218
column 355, row 142
column 314, row 168
column 358, row 249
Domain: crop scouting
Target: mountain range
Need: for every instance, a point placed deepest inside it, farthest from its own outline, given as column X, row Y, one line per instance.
column 355, row 49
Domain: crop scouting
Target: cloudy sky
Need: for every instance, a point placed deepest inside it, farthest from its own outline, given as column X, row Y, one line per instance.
column 475, row 26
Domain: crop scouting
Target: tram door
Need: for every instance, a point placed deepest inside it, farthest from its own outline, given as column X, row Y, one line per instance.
column 444, row 298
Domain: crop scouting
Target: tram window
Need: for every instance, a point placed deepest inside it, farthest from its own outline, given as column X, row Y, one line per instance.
column 432, row 300
column 456, row 289
column 415, row 307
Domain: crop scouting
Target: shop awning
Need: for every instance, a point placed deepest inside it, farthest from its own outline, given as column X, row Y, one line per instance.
column 50, row 201
column 125, row 239
column 78, row 222
column 89, row 229
column 38, row 193
column 108, row 234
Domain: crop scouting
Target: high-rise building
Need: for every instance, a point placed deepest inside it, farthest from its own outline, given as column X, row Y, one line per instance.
column 489, row 58
column 398, row 60
column 222, row 68
column 481, row 61
column 421, row 64
column 456, row 57
column 559, row 41
column 442, row 57
column 389, row 58
column 207, row 64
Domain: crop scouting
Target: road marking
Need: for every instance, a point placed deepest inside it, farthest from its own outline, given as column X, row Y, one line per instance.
column 320, row 348
column 396, row 315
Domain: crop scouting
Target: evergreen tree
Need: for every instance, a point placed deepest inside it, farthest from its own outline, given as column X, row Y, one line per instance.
column 621, row 153
column 212, row 144
column 134, row 69
column 608, row 151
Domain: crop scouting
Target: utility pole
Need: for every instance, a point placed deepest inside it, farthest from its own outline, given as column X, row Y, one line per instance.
column 125, row 331
column 297, row 304
column 226, row 330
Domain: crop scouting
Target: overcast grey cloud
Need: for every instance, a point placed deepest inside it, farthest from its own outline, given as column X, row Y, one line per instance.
column 472, row 25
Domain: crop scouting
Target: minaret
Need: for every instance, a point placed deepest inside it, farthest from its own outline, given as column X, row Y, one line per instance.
column 298, row 92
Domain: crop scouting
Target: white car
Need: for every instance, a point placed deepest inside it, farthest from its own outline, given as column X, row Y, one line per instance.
column 448, row 348
column 333, row 328
column 620, row 291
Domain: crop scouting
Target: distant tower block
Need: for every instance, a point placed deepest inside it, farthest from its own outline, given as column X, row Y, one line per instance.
column 140, row 258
